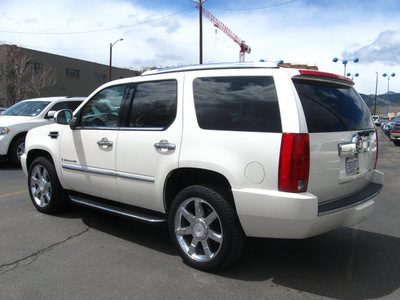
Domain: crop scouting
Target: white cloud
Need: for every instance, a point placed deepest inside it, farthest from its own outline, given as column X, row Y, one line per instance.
column 385, row 49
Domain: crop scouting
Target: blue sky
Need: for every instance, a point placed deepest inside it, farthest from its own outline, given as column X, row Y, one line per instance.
column 165, row 33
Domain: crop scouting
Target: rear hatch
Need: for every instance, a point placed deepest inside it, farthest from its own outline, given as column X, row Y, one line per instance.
column 343, row 140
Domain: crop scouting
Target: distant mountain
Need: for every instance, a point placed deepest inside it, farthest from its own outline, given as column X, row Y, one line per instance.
column 394, row 100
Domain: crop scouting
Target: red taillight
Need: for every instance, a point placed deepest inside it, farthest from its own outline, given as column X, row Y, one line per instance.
column 376, row 157
column 294, row 163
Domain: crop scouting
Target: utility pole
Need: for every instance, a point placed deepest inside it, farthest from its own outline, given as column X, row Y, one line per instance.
column 200, row 3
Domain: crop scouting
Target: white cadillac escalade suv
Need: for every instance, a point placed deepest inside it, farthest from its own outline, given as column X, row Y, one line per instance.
column 220, row 152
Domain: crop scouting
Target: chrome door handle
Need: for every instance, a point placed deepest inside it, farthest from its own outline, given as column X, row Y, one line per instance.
column 104, row 142
column 163, row 144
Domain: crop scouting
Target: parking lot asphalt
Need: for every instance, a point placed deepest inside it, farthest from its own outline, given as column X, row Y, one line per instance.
column 86, row 254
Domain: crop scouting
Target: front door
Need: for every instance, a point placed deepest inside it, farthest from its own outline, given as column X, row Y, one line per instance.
column 88, row 150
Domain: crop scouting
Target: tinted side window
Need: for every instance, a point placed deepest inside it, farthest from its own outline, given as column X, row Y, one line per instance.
column 102, row 109
column 330, row 107
column 241, row 103
column 154, row 104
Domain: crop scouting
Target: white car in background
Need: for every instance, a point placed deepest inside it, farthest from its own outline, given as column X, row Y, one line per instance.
column 378, row 120
column 17, row 120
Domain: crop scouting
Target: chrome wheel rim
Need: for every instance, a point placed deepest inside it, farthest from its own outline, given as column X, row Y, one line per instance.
column 40, row 186
column 198, row 229
column 20, row 150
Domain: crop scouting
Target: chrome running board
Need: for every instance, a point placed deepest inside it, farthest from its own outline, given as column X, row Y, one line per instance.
column 117, row 210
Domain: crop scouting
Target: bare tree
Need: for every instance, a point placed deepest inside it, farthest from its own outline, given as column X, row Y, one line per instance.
column 21, row 77
column 42, row 77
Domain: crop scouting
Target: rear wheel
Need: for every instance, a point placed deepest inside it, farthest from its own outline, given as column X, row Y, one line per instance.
column 44, row 187
column 205, row 229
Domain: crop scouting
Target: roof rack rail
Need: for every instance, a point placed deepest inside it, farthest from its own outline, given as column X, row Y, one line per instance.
column 213, row 67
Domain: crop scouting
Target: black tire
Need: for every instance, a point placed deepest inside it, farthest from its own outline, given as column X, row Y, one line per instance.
column 17, row 148
column 396, row 142
column 45, row 189
column 205, row 229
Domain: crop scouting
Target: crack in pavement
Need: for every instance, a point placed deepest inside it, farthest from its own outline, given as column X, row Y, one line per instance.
column 31, row 258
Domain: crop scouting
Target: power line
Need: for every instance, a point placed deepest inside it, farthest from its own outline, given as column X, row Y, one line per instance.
column 257, row 8
column 69, row 49
column 98, row 30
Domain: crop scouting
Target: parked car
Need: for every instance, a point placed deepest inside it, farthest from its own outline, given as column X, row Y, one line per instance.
column 377, row 120
column 387, row 127
column 25, row 115
column 220, row 152
column 395, row 133
column 2, row 110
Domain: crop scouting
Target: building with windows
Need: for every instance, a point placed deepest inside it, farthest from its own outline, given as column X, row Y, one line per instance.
column 73, row 77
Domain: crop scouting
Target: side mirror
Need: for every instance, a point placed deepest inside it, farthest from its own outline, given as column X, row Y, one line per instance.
column 50, row 114
column 63, row 116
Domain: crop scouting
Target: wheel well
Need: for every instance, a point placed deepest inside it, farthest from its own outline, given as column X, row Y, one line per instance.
column 182, row 178
column 21, row 134
column 36, row 153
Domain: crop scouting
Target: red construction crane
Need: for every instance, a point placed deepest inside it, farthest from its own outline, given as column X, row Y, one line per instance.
column 244, row 48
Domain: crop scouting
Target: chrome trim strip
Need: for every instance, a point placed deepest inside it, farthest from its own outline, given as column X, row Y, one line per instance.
column 122, row 128
column 135, row 177
column 86, row 170
column 96, row 128
column 108, row 173
column 142, row 128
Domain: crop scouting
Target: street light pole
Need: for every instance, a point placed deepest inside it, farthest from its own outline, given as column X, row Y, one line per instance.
column 345, row 61
column 387, row 100
column 376, row 92
column 200, row 3
column 109, row 69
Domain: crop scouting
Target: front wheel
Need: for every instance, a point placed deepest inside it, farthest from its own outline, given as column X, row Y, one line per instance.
column 205, row 229
column 16, row 150
column 44, row 187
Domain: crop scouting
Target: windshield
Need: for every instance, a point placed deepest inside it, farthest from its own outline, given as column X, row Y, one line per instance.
column 26, row 108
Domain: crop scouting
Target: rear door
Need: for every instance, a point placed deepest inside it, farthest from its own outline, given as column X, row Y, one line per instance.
column 149, row 142
column 343, row 142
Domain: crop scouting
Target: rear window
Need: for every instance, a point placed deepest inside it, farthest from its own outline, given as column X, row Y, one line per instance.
column 240, row 103
column 330, row 107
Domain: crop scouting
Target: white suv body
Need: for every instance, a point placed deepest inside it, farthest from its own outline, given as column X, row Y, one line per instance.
column 220, row 151
column 25, row 115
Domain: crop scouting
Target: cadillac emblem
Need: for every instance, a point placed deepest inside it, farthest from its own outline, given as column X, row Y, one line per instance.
column 359, row 142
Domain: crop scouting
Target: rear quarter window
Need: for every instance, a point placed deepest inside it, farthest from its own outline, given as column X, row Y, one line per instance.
column 240, row 103
column 331, row 107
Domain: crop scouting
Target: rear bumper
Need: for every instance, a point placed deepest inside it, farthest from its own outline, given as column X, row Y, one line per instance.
column 273, row 214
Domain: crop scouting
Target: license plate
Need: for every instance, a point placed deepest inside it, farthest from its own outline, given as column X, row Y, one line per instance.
column 352, row 165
